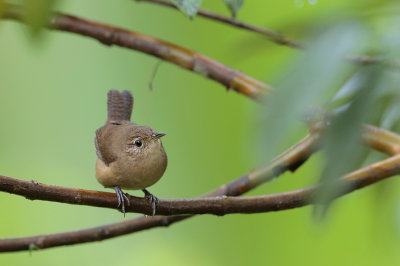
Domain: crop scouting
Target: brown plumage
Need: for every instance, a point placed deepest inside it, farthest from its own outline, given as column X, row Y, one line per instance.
column 119, row 105
column 130, row 156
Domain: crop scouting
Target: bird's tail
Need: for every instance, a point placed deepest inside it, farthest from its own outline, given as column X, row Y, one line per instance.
column 119, row 105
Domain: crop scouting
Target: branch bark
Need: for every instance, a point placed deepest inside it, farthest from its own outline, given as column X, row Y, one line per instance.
column 33, row 190
column 381, row 140
column 209, row 205
column 219, row 205
column 289, row 160
column 180, row 56
column 272, row 35
column 188, row 59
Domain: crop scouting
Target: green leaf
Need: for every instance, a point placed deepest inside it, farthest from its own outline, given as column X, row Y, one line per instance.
column 37, row 14
column 391, row 115
column 234, row 6
column 188, row 7
column 387, row 102
column 341, row 141
column 308, row 83
column 346, row 94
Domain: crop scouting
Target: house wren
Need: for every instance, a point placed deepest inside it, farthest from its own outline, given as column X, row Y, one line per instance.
column 130, row 156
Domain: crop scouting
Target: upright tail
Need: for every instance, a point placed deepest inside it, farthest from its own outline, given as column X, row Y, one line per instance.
column 119, row 105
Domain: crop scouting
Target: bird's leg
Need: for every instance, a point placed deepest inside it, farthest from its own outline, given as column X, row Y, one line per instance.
column 153, row 199
column 121, row 199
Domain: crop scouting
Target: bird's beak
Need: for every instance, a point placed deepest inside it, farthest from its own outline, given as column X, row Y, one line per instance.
column 158, row 135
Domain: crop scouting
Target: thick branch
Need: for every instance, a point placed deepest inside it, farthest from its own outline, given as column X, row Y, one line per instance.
column 289, row 160
column 185, row 58
column 35, row 191
column 190, row 60
column 220, row 205
column 180, row 56
column 271, row 34
column 381, row 140
column 209, row 205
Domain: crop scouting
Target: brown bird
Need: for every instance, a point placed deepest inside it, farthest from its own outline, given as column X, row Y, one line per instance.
column 130, row 156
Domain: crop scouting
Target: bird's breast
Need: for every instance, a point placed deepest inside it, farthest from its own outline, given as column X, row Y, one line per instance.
column 133, row 172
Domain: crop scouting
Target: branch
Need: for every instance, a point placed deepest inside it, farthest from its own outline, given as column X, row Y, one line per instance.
column 219, row 205
column 376, row 138
column 370, row 60
column 185, row 58
column 274, row 36
column 209, row 205
column 188, row 59
column 180, row 56
column 289, row 160
column 381, row 140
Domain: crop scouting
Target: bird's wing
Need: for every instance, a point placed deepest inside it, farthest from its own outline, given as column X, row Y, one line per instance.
column 103, row 152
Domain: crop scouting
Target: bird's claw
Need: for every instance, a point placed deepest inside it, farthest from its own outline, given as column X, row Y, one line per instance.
column 153, row 199
column 122, row 197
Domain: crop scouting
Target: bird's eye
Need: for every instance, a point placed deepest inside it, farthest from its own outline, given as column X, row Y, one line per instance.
column 138, row 143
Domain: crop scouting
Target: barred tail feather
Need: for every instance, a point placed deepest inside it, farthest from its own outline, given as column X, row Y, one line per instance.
column 119, row 105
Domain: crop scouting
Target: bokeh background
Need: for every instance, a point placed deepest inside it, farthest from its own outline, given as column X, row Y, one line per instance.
column 53, row 98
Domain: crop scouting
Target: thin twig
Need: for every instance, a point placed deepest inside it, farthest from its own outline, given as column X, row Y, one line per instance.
column 180, row 56
column 271, row 34
column 274, row 36
column 153, row 74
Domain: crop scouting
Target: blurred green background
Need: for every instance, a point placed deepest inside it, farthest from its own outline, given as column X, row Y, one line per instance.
column 53, row 98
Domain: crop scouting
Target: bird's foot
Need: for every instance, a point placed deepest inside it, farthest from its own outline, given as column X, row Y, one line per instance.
column 153, row 199
column 121, row 199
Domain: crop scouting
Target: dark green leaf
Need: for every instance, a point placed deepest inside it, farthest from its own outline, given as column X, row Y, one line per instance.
column 234, row 6
column 188, row 7
column 391, row 115
column 346, row 94
column 309, row 82
column 341, row 143
column 390, row 93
